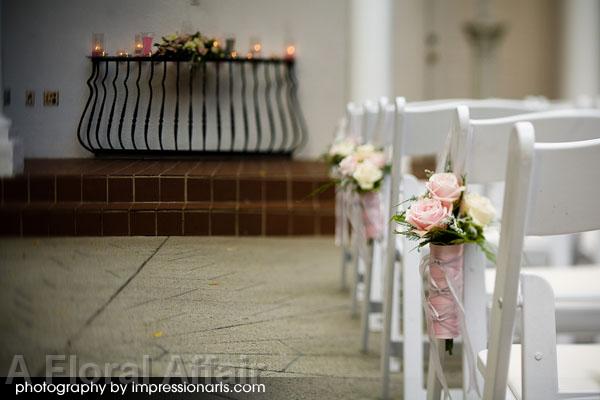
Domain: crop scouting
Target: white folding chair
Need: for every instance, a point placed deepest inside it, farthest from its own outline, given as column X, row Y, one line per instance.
column 367, row 128
column 478, row 148
column 354, row 123
column 373, row 257
column 548, row 192
column 419, row 130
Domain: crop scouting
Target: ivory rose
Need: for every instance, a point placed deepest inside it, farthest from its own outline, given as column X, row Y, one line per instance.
column 426, row 214
column 444, row 187
column 364, row 152
column 479, row 208
column 343, row 148
column 367, row 174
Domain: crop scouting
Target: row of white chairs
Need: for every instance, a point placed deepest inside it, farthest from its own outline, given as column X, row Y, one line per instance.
column 479, row 148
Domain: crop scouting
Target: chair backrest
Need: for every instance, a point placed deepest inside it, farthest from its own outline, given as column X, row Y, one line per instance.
column 425, row 127
column 354, row 120
column 369, row 122
column 371, row 119
column 482, row 145
column 420, row 130
column 551, row 188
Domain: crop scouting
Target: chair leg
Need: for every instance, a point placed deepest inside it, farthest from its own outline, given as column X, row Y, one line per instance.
column 386, row 336
column 538, row 352
column 345, row 258
column 412, row 325
column 356, row 283
column 366, row 306
column 434, row 387
column 475, row 305
column 344, row 234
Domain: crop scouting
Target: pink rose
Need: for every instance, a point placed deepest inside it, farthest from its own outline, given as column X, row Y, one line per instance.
column 426, row 214
column 379, row 159
column 348, row 165
column 444, row 187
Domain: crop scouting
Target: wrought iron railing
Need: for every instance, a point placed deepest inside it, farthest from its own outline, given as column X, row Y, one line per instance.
column 157, row 106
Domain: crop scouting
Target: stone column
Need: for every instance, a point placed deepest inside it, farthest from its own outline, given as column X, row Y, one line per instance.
column 370, row 48
column 580, row 49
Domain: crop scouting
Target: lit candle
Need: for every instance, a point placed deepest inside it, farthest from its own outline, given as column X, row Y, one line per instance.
column 122, row 53
column 255, row 47
column 138, row 49
column 233, row 54
column 98, row 45
column 290, row 51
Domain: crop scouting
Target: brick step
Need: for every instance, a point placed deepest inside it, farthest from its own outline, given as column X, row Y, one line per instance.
column 94, row 197
column 149, row 219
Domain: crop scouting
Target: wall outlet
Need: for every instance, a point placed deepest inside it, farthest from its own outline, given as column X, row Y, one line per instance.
column 50, row 98
column 29, row 98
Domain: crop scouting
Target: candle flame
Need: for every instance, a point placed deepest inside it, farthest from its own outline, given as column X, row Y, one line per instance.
column 257, row 47
column 290, row 50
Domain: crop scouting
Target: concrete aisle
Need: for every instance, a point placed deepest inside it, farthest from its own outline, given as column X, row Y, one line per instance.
column 229, row 306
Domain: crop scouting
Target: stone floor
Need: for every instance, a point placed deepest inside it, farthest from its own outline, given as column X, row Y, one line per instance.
column 245, row 306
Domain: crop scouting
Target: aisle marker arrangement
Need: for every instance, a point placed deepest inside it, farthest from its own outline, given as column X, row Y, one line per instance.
column 361, row 168
column 445, row 218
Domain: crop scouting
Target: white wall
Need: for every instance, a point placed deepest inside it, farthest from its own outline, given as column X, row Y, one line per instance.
column 44, row 44
column 526, row 59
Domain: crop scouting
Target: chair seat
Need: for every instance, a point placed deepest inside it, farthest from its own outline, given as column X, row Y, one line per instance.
column 578, row 370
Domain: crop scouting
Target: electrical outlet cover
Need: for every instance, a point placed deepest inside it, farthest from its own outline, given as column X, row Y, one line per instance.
column 50, row 98
column 29, row 98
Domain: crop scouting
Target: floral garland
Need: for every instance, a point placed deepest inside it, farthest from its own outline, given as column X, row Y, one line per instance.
column 194, row 46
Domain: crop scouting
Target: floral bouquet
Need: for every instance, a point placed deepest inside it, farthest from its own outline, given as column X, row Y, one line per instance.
column 362, row 170
column 445, row 218
column 194, row 46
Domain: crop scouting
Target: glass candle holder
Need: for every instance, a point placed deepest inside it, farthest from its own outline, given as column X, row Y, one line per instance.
column 230, row 44
column 147, row 38
column 98, row 45
column 138, row 46
column 255, row 47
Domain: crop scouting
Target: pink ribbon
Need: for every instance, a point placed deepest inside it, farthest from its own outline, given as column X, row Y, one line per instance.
column 445, row 314
column 445, row 264
column 372, row 214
